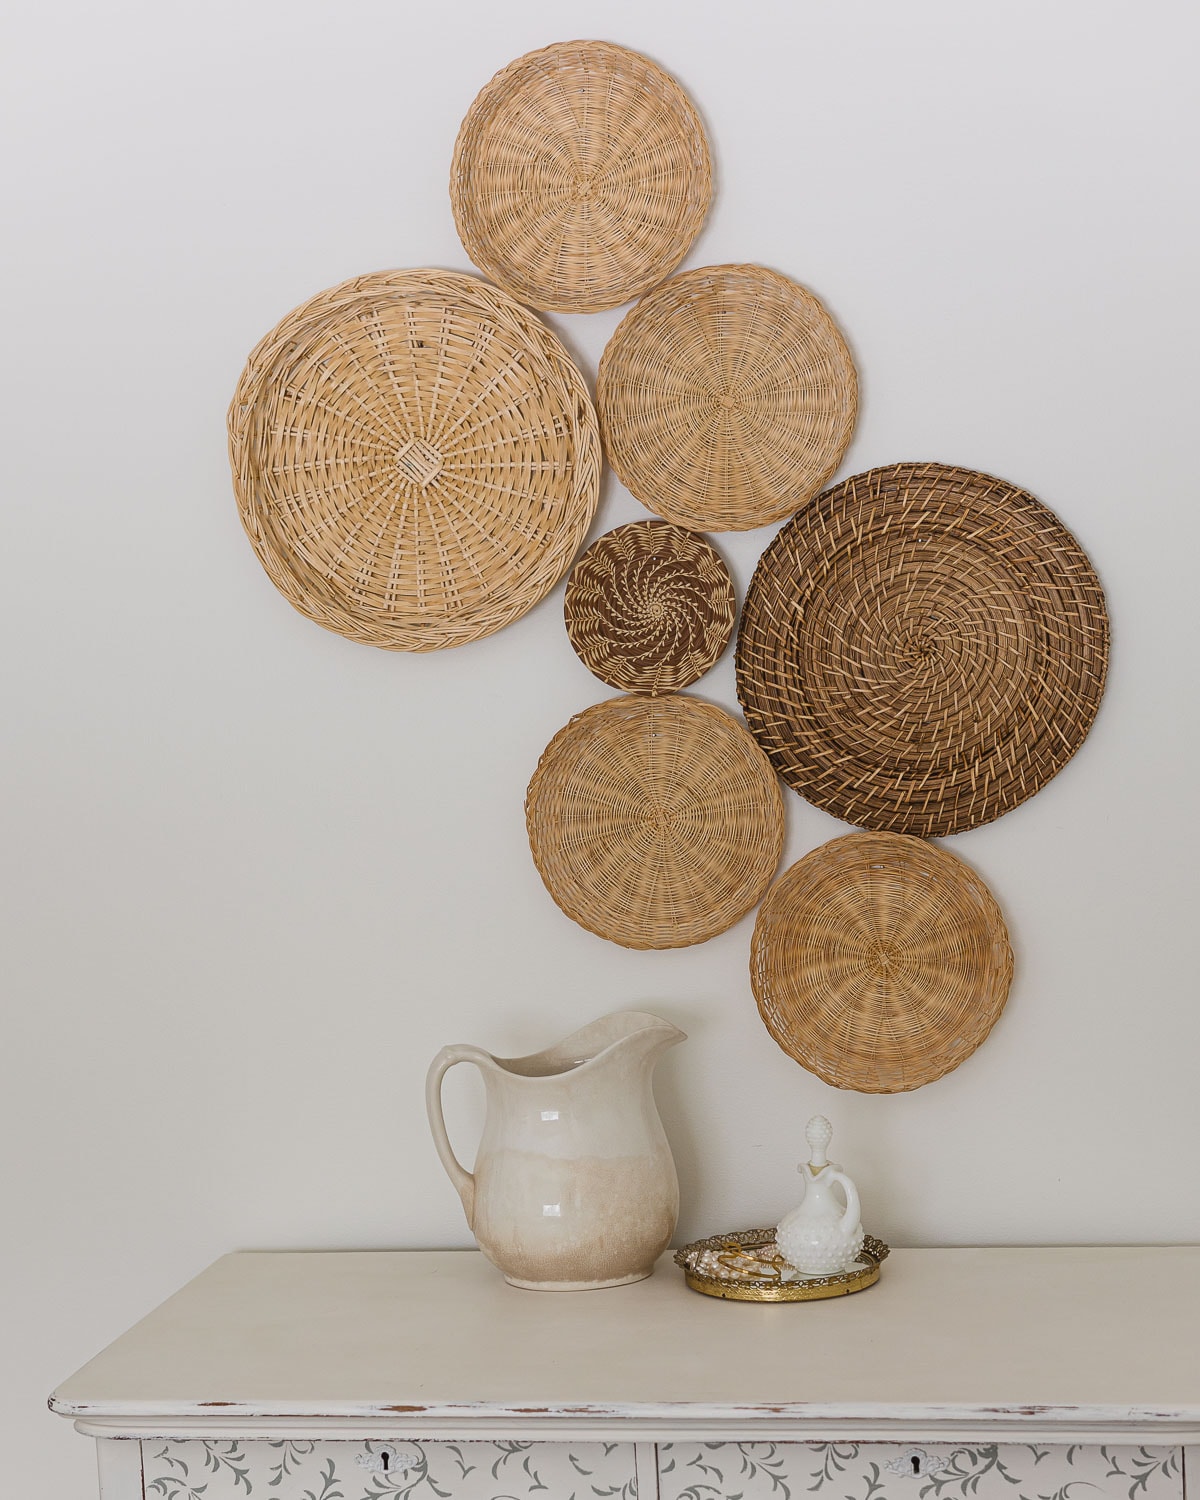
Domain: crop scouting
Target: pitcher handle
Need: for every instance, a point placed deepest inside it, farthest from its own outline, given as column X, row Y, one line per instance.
column 853, row 1209
column 463, row 1180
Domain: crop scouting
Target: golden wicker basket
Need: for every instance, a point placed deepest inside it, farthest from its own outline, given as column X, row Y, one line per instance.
column 727, row 398
column 649, row 607
column 880, row 962
column 416, row 459
column 581, row 175
column 921, row 649
column 654, row 822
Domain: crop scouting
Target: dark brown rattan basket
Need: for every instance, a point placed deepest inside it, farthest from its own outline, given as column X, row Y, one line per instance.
column 655, row 822
column 649, row 607
column 922, row 648
column 581, row 175
column 880, row 962
column 727, row 398
column 416, row 459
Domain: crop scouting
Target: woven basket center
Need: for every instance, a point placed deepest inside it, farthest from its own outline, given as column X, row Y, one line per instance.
column 419, row 461
column 582, row 188
column 883, row 958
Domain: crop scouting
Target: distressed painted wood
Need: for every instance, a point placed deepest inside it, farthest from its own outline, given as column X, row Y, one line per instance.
column 1059, row 1344
column 119, row 1461
column 1066, row 1374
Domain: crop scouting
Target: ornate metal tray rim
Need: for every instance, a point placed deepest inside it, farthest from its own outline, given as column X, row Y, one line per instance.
column 744, row 1288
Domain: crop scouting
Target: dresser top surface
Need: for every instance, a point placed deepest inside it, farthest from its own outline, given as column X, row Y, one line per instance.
column 343, row 1334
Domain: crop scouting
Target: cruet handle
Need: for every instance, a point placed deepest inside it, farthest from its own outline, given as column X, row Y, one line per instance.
column 853, row 1210
column 463, row 1180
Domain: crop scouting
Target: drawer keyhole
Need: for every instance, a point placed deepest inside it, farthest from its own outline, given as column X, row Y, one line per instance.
column 916, row 1463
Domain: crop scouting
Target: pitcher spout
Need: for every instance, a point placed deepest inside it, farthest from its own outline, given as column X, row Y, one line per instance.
column 629, row 1031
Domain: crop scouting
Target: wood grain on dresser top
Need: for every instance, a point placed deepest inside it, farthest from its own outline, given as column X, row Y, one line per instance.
column 1062, row 1344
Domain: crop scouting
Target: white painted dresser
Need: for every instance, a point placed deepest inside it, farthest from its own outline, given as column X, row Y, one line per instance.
column 1051, row 1374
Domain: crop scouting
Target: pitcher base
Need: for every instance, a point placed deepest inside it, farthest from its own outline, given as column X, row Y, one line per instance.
column 578, row 1286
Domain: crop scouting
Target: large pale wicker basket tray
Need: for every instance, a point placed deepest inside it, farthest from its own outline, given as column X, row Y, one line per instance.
column 654, row 822
column 880, row 962
column 581, row 175
column 727, row 398
column 416, row 459
column 922, row 648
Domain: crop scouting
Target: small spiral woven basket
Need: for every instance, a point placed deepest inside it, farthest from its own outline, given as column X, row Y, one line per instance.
column 880, row 962
column 727, row 398
column 581, row 175
column 649, row 607
column 921, row 649
column 654, row 822
column 416, row 459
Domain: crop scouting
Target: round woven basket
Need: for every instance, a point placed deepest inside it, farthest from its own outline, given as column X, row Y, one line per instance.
column 415, row 458
column 880, row 962
column 581, row 175
column 649, row 607
column 654, row 822
column 921, row 649
column 727, row 398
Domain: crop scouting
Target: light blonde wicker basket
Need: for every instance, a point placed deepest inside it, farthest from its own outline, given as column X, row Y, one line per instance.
column 654, row 822
column 416, row 459
column 880, row 962
column 649, row 607
column 922, row 649
column 581, row 175
column 727, row 398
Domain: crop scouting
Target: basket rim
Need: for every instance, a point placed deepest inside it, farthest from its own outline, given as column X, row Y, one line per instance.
column 497, row 268
column 270, row 358
column 629, row 326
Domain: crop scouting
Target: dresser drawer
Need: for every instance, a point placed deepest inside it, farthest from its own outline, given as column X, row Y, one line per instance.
column 933, row 1471
column 366, row 1470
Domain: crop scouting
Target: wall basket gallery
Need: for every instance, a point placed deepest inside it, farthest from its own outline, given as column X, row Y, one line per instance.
column 417, row 463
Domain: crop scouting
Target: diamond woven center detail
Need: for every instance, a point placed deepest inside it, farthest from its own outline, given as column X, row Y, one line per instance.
column 419, row 461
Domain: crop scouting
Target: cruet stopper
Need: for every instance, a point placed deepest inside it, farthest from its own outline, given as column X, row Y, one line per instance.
column 823, row 1236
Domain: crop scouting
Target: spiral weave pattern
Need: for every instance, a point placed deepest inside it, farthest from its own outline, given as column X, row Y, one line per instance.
column 654, row 822
column 727, row 397
column 581, row 175
column 649, row 607
column 416, row 459
column 880, row 962
column 921, row 649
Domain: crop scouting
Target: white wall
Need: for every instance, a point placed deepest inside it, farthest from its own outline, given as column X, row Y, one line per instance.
column 257, row 874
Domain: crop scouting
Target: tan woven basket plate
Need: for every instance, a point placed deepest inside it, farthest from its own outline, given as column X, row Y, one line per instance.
column 879, row 962
column 727, row 398
column 922, row 649
column 654, row 822
column 581, row 175
column 649, row 607
column 415, row 458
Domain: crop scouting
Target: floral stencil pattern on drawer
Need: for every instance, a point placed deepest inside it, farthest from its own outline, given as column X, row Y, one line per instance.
column 388, row 1469
column 891, row 1471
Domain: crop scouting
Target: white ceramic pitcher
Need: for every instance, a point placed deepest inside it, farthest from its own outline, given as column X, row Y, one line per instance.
column 574, row 1184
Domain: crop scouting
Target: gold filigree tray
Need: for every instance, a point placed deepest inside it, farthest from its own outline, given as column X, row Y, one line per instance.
column 747, row 1267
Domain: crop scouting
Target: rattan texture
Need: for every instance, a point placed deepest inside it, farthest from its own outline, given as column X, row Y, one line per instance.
column 727, row 397
column 880, row 962
column 654, row 822
column 922, row 648
column 415, row 457
column 581, row 175
column 649, row 607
